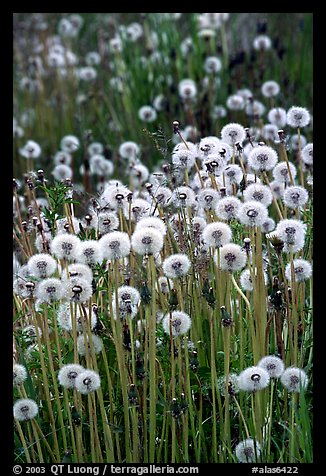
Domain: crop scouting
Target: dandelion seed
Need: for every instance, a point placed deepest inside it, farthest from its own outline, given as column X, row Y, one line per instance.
column 147, row 241
column 41, row 265
column 294, row 379
column 273, row 365
column 176, row 265
column 87, row 381
column 253, row 379
column 259, row 193
column 270, row 89
column 19, row 374
column 50, row 290
column 25, row 409
column 89, row 253
column 232, row 257
column 252, row 213
column 295, row 197
column 85, row 348
column 302, row 270
column 248, row 451
column 297, row 117
column 233, row 133
column 180, row 323
column 281, row 173
column 152, row 222
column 307, row 155
column 68, row 373
column 228, row 208
column 233, row 386
column 115, row 245
column 65, row 246
column 217, row 234
column 262, row 158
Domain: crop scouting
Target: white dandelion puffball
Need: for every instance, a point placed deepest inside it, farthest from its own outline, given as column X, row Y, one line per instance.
column 246, row 280
column 273, row 365
column 298, row 117
column 208, row 145
column 302, row 270
column 207, row 198
column 262, row 43
column 268, row 225
column 115, row 245
column 31, row 150
column 49, row 290
column 65, row 226
column 277, row 189
column 25, row 409
column 281, row 172
column 129, row 150
column 163, row 284
column 233, row 174
column 128, row 293
column 62, row 157
column 212, row 64
column 214, row 164
column 270, row 89
column 295, row 196
column 87, row 381
column 307, row 154
column 107, row 222
column 62, row 172
column 163, row 196
column 184, row 158
column 183, row 197
column 217, row 234
column 232, row 258
column 41, row 265
column 78, row 290
column 291, row 231
column 253, row 379
column 235, row 102
column 233, row 133
column 252, row 213
column 187, row 89
column 176, row 265
column 232, row 387
column 68, row 373
column 277, row 116
column 262, row 158
column 180, row 323
column 248, row 451
column 77, row 270
column 69, row 143
column 65, row 246
column 152, row 222
column 85, row 347
column 259, row 193
column 147, row 114
column 228, row 208
column 89, row 253
column 19, row 374
column 147, row 241
column 65, row 314
column 294, row 379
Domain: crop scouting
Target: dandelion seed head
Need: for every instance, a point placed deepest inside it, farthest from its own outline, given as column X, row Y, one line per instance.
column 212, row 64
column 207, row 198
column 187, row 89
column 180, row 323
column 25, row 409
column 64, row 318
column 41, row 265
column 152, row 222
column 262, row 43
column 268, row 225
column 270, row 132
column 291, row 231
column 302, row 270
column 277, row 189
column 163, row 196
column 233, row 386
column 87, row 381
column 233, row 133
column 270, row 89
column 78, row 290
column 176, row 265
column 307, row 155
column 262, row 158
column 295, row 197
column 259, row 193
column 31, row 150
column 129, row 150
column 77, row 270
column 147, row 241
column 85, row 348
column 235, row 102
column 89, row 253
column 281, row 173
column 246, row 280
column 69, row 143
column 232, row 257
column 208, row 145
column 68, row 373
column 65, row 246
column 107, row 222
column 248, row 451
column 62, row 158
column 19, row 374
column 217, row 234
column 115, row 245
column 183, row 197
column 277, row 116
column 163, row 284
column 253, row 379
column 228, row 208
column 294, row 379
column 50, row 290
column 273, row 365
column 64, row 227
column 297, row 117
column 61, row 172
column 295, row 141
column 253, row 213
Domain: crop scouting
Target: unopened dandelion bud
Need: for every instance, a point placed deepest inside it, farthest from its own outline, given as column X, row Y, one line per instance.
column 176, row 125
column 30, row 184
column 149, row 186
column 40, row 175
column 227, row 321
column 247, row 245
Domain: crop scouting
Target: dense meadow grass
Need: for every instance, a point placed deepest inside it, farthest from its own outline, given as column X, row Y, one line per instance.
column 163, row 214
